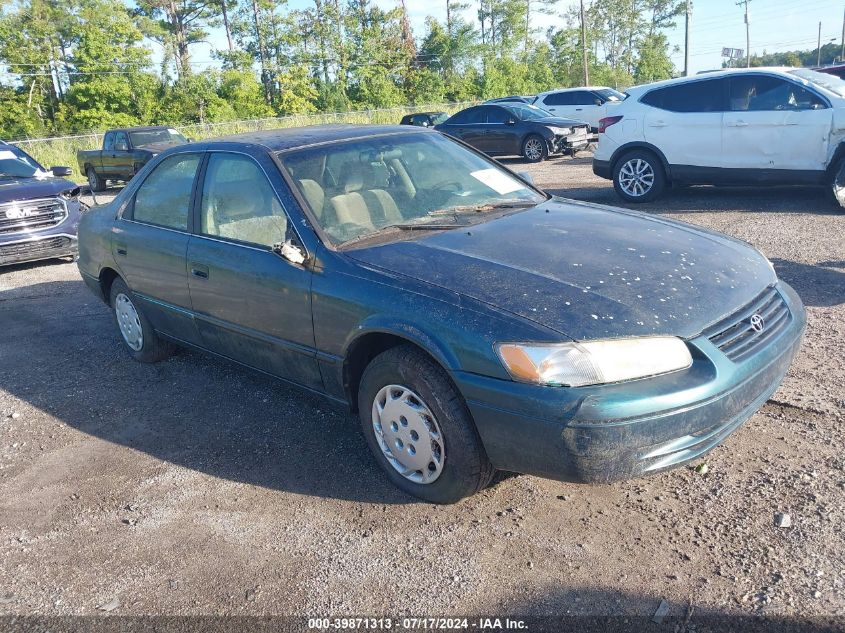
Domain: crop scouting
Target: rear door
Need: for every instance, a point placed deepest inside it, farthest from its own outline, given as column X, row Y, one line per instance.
column 774, row 123
column 150, row 243
column 685, row 123
column 251, row 305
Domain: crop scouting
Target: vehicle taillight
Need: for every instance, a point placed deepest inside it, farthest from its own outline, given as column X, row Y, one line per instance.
column 607, row 121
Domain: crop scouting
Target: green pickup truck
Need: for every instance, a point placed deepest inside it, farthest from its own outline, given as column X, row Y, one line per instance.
column 124, row 152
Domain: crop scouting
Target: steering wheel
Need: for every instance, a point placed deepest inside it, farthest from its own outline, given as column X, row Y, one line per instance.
column 454, row 185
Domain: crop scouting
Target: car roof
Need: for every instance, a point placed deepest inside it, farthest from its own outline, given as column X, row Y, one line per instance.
column 548, row 92
column 428, row 112
column 782, row 71
column 294, row 137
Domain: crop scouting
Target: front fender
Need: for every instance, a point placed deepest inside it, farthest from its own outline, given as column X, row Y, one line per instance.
column 415, row 333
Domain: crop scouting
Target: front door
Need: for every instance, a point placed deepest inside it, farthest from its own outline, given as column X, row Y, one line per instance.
column 150, row 242
column 251, row 305
column 775, row 124
column 122, row 165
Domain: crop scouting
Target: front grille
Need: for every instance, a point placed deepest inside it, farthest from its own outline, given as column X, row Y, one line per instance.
column 736, row 336
column 31, row 215
column 33, row 248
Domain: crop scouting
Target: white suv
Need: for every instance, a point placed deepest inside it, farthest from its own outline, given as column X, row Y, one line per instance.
column 741, row 127
column 583, row 104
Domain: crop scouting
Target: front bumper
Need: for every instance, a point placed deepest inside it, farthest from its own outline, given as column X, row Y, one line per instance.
column 578, row 140
column 612, row 432
column 33, row 249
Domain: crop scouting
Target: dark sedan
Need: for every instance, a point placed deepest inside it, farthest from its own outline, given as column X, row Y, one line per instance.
column 474, row 323
column 424, row 119
column 516, row 130
column 39, row 209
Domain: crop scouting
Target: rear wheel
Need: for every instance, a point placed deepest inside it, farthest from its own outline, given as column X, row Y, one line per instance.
column 534, row 148
column 419, row 428
column 138, row 335
column 94, row 181
column 638, row 177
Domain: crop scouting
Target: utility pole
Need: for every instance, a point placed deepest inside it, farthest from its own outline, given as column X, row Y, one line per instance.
column 842, row 54
column 584, row 46
column 686, row 37
column 747, row 33
column 819, row 52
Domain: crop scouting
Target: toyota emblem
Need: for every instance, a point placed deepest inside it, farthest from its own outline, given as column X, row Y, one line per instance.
column 757, row 323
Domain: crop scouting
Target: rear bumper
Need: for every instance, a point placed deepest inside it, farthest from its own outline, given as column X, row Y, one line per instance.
column 601, row 168
column 37, row 248
column 612, row 432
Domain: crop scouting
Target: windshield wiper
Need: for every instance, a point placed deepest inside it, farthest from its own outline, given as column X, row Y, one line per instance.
column 480, row 208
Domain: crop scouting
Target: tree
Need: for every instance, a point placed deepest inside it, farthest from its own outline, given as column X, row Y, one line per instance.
column 176, row 24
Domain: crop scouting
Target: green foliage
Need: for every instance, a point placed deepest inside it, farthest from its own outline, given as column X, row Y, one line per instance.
column 86, row 65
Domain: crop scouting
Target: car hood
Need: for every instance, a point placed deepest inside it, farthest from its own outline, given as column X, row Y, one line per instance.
column 587, row 271
column 12, row 189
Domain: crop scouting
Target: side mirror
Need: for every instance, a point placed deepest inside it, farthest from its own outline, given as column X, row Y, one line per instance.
column 290, row 251
column 599, row 101
column 526, row 176
column 61, row 172
column 189, row 140
column 120, row 147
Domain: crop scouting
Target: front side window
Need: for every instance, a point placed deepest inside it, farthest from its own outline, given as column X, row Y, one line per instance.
column 758, row 93
column 695, row 96
column 497, row 115
column 120, row 141
column 357, row 189
column 108, row 142
column 239, row 203
column 582, row 97
column 164, row 198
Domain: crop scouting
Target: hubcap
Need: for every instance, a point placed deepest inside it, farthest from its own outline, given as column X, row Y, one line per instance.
column 128, row 322
column 92, row 179
column 533, row 149
column 636, row 178
column 408, row 434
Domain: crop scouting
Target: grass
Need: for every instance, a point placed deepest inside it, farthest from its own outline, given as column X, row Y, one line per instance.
column 62, row 150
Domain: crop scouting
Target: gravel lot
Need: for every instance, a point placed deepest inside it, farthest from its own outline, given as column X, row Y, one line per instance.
column 195, row 487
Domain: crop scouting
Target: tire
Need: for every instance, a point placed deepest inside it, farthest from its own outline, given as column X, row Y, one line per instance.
column 149, row 348
column 406, row 381
column 638, row 176
column 94, row 181
column 534, row 149
column 836, row 188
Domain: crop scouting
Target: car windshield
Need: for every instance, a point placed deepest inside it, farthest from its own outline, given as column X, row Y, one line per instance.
column 831, row 83
column 528, row 112
column 149, row 137
column 360, row 188
column 15, row 163
column 609, row 94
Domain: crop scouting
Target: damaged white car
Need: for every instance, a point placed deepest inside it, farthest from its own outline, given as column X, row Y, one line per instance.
column 733, row 127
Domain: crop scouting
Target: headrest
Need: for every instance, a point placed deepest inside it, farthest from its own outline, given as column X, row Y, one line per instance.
column 354, row 181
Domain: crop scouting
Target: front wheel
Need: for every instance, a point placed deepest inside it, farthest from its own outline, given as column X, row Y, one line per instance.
column 837, row 184
column 419, row 428
column 638, row 177
column 534, row 149
column 138, row 335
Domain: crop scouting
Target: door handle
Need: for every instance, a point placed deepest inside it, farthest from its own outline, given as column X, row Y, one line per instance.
column 578, row 109
column 738, row 124
column 657, row 124
column 121, row 249
column 198, row 270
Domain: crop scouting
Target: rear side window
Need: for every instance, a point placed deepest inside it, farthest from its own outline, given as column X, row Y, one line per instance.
column 696, row 96
column 558, row 98
column 164, row 198
column 472, row 115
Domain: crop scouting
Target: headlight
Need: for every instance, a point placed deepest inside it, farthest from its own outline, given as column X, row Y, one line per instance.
column 594, row 362
column 561, row 131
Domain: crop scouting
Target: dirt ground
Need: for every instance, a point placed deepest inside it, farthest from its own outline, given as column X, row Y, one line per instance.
column 195, row 487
